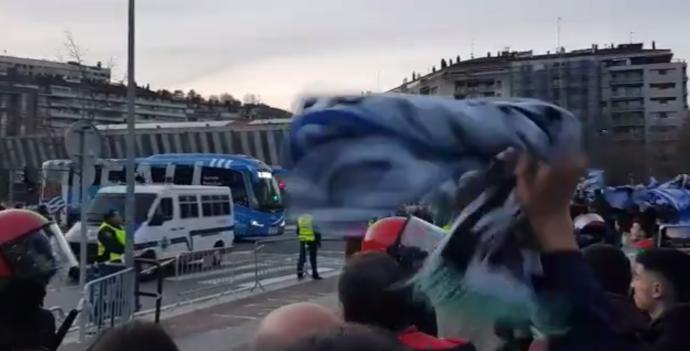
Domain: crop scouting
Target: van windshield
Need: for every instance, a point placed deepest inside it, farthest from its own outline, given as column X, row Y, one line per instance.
column 107, row 202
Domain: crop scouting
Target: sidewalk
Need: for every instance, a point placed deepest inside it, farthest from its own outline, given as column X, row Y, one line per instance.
column 230, row 326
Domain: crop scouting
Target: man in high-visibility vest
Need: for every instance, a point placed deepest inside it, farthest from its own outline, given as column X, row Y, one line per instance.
column 111, row 238
column 309, row 239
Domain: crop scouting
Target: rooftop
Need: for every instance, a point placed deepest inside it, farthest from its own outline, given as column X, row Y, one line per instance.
column 506, row 57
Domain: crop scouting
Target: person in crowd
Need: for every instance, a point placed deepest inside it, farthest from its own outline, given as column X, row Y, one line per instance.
column 111, row 238
column 641, row 234
column 371, row 292
column 135, row 336
column 612, row 270
column 27, row 264
column 661, row 288
column 309, row 240
column 349, row 337
column 287, row 324
column 544, row 191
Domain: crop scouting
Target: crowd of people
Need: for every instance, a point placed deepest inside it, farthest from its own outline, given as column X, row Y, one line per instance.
column 614, row 304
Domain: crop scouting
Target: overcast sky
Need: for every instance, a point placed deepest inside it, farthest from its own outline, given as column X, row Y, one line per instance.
column 279, row 49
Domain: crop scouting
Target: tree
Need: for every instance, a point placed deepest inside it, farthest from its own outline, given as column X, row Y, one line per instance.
column 444, row 64
column 252, row 99
column 226, row 98
column 213, row 99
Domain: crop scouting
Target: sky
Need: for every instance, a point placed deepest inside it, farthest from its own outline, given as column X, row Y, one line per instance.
column 280, row 50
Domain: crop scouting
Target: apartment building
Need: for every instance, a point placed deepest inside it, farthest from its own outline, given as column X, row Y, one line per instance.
column 628, row 96
column 67, row 70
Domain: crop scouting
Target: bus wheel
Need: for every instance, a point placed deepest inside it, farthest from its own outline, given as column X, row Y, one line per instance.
column 218, row 253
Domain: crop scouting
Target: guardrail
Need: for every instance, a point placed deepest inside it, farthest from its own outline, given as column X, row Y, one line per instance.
column 107, row 301
column 192, row 276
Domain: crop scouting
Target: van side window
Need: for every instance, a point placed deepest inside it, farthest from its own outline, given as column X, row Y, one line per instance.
column 215, row 205
column 226, row 177
column 189, row 206
column 183, row 175
column 165, row 208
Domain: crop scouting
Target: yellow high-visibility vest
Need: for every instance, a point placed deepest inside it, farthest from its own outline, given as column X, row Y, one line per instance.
column 119, row 235
column 305, row 228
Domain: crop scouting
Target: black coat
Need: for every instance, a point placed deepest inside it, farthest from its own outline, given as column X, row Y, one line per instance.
column 671, row 331
column 34, row 330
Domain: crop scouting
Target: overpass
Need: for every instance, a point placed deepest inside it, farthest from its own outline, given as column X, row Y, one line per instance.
column 261, row 139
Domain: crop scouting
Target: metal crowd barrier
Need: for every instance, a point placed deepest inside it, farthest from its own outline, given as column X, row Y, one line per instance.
column 106, row 302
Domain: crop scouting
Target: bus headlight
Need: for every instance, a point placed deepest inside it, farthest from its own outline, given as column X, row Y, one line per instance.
column 256, row 224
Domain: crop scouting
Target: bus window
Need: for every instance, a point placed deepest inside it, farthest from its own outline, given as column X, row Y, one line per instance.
column 158, row 174
column 189, row 206
column 116, row 176
column 183, row 175
column 226, row 177
column 98, row 169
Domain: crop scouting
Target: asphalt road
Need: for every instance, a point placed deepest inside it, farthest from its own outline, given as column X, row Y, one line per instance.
column 275, row 262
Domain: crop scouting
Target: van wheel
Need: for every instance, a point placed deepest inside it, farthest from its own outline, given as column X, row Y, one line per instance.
column 218, row 254
column 147, row 271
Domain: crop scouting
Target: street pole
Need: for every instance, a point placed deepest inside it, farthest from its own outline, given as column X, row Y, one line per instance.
column 83, row 247
column 131, row 92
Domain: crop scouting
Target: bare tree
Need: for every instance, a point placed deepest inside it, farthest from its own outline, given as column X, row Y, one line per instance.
column 76, row 54
column 252, row 99
column 227, row 98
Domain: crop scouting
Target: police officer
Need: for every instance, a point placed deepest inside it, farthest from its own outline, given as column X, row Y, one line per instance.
column 111, row 238
column 309, row 239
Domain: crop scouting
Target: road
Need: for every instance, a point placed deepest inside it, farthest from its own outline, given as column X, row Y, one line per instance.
column 238, row 272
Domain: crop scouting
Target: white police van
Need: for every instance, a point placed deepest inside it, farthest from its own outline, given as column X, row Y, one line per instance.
column 170, row 219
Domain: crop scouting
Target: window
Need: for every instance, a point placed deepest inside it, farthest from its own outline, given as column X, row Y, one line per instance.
column 663, row 100
column 226, row 177
column 158, row 174
column 662, row 86
column 662, row 115
column 117, row 176
column 183, row 175
column 97, row 175
column 215, row 205
column 165, row 208
column 189, row 206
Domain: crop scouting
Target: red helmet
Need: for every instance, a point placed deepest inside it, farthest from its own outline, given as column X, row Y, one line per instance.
column 383, row 234
column 25, row 250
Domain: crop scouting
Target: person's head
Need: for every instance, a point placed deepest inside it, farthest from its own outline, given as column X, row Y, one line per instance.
column 286, row 324
column 638, row 230
column 349, row 337
column 368, row 293
column 660, row 280
column 134, row 336
column 610, row 266
column 113, row 218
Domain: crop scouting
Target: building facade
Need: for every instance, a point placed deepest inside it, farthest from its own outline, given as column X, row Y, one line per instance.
column 67, row 70
column 628, row 97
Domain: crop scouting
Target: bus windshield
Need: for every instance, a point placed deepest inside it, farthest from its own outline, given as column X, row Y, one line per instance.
column 267, row 193
column 103, row 203
column 53, row 180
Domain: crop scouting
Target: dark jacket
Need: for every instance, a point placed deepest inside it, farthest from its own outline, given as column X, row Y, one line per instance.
column 627, row 319
column 671, row 331
column 34, row 330
column 590, row 314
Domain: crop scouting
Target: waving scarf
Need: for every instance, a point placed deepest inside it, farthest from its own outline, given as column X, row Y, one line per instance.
column 352, row 158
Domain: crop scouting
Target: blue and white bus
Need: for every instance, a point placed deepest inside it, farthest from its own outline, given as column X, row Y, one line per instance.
column 259, row 208
column 258, row 202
